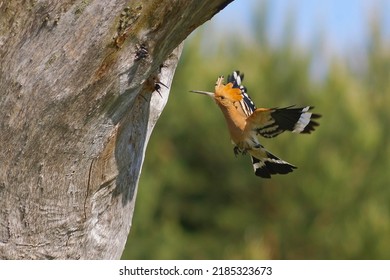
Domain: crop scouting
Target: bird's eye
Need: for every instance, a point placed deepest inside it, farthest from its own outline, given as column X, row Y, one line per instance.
column 222, row 97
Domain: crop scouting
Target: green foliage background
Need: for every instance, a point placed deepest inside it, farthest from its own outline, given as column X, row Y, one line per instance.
column 197, row 201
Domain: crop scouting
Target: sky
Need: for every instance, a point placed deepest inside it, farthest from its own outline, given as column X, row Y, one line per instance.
column 343, row 23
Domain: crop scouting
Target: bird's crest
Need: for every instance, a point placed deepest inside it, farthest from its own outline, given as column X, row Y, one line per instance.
column 227, row 91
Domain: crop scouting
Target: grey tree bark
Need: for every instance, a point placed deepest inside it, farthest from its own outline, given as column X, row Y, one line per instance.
column 77, row 106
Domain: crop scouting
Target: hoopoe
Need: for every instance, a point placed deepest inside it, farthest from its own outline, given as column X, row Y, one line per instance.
column 246, row 122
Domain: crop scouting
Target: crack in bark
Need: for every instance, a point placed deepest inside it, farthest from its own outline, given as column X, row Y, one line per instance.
column 88, row 187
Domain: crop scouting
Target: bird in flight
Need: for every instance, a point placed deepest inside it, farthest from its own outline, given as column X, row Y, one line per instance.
column 246, row 123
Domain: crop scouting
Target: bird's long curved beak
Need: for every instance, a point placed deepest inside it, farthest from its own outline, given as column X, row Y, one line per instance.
column 211, row 94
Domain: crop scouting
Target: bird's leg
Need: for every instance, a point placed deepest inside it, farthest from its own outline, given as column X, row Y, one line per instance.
column 237, row 151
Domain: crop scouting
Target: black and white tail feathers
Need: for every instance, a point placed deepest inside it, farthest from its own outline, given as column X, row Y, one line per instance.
column 266, row 166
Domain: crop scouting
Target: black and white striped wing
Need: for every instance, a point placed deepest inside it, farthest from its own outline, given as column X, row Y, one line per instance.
column 271, row 122
column 247, row 105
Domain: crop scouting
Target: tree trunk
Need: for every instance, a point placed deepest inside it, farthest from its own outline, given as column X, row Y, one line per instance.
column 77, row 106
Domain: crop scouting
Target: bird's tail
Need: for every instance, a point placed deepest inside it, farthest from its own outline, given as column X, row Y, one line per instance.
column 266, row 164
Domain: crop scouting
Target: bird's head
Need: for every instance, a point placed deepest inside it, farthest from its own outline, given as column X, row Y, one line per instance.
column 224, row 95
